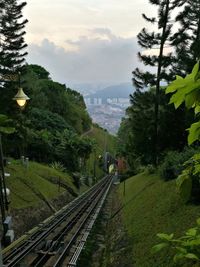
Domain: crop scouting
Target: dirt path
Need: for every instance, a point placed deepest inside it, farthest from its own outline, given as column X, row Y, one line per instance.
column 89, row 131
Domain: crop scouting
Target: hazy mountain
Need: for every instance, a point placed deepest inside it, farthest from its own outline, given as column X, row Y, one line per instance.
column 115, row 91
column 88, row 88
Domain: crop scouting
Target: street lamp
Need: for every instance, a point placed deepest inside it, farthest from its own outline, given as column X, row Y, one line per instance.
column 20, row 97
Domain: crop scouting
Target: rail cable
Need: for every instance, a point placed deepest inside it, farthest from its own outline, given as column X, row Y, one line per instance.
column 33, row 240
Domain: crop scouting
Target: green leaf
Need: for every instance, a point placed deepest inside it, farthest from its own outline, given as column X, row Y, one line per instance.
column 178, row 257
column 159, row 247
column 165, row 236
column 7, row 130
column 195, row 242
column 192, row 232
column 197, row 109
column 194, row 132
column 191, row 256
column 178, row 83
column 195, row 70
column 182, row 250
column 198, row 221
column 190, row 99
column 184, row 184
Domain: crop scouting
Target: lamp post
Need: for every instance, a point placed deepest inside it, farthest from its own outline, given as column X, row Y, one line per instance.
column 21, row 99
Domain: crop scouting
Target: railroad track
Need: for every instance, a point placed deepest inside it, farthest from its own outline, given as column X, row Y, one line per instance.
column 59, row 240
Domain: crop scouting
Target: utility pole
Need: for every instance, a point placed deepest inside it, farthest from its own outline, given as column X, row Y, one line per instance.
column 3, row 194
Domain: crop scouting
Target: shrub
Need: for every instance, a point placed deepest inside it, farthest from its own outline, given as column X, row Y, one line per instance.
column 172, row 164
column 186, row 249
column 150, row 169
column 57, row 166
column 188, row 182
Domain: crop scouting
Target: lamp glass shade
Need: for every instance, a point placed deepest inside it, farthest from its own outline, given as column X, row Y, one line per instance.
column 21, row 97
column 21, row 102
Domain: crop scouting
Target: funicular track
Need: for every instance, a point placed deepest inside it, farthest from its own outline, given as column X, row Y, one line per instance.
column 60, row 239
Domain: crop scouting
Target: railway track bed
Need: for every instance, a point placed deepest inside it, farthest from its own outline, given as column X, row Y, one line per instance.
column 59, row 240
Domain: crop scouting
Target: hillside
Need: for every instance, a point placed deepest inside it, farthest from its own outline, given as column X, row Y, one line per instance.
column 103, row 140
column 39, row 190
column 36, row 184
column 153, row 206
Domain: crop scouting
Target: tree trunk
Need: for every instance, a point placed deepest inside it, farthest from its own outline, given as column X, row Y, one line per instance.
column 157, row 96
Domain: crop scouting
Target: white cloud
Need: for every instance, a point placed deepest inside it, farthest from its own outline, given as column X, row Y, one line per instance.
column 98, row 57
column 55, row 20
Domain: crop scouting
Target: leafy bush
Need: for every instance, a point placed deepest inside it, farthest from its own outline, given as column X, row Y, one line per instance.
column 58, row 166
column 188, row 182
column 186, row 249
column 172, row 164
column 150, row 169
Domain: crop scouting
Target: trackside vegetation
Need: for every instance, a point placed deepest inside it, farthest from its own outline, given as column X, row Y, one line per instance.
column 32, row 185
column 153, row 206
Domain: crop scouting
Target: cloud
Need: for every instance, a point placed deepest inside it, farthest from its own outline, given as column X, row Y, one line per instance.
column 99, row 57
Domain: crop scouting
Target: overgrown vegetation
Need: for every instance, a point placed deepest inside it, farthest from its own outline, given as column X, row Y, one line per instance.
column 30, row 185
column 172, row 164
column 186, row 90
column 152, row 206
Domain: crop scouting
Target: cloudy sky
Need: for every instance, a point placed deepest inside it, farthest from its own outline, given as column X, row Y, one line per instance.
column 81, row 41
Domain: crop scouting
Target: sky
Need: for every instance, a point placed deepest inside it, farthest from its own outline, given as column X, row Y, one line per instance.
column 85, row 41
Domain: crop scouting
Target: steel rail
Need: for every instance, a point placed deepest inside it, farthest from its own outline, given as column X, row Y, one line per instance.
column 67, row 248
column 42, row 259
column 74, row 258
column 48, row 222
column 37, row 237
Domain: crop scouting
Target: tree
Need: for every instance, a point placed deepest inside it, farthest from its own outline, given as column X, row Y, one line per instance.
column 12, row 37
column 12, row 50
column 186, row 40
column 156, row 41
column 137, row 129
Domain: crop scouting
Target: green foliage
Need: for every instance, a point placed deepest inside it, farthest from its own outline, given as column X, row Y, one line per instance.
column 150, row 169
column 93, row 166
column 156, row 40
column 172, row 164
column 136, row 136
column 28, row 185
column 57, row 166
column 39, row 71
column 49, row 129
column 186, row 249
column 186, row 90
column 188, row 182
column 12, row 24
column 152, row 206
column 187, row 42
column 5, row 125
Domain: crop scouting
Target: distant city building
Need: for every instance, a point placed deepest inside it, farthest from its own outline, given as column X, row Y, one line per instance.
column 124, row 100
column 87, row 101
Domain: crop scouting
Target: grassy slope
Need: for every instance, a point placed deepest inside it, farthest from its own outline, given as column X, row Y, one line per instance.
column 100, row 137
column 35, row 182
column 153, row 206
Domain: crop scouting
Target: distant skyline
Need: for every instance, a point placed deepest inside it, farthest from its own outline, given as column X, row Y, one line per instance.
column 81, row 41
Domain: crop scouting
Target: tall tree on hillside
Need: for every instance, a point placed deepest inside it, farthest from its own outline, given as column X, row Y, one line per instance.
column 186, row 41
column 12, row 49
column 12, row 36
column 156, row 40
column 137, row 129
